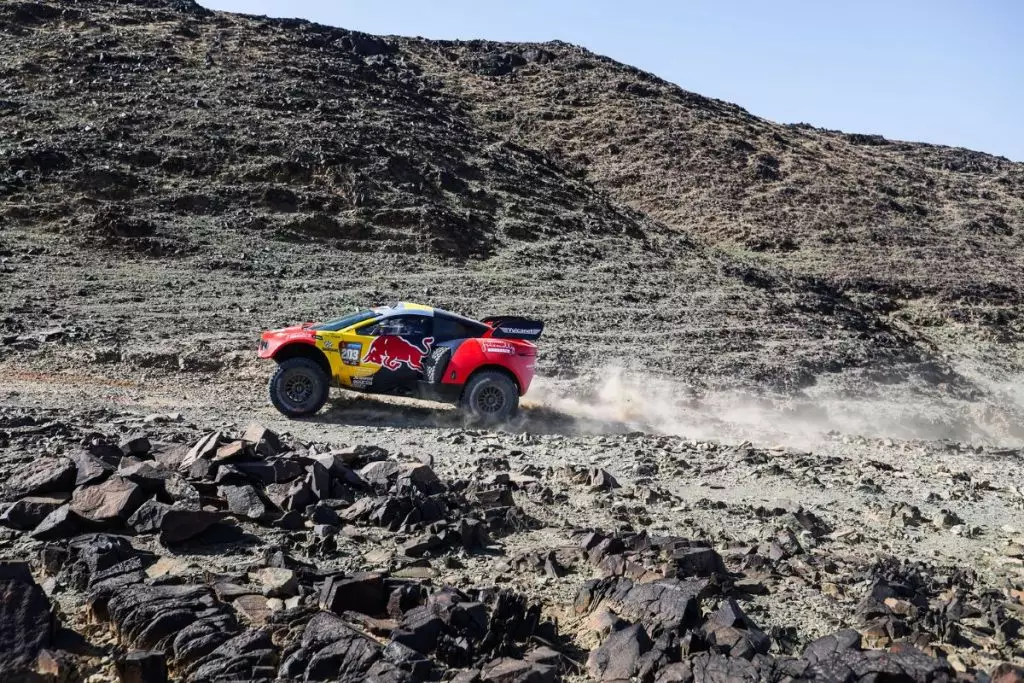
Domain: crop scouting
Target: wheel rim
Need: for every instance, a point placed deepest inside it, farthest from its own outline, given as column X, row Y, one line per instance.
column 298, row 388
column 490, row 400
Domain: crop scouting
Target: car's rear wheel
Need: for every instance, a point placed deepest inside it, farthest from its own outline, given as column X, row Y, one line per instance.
column 489, row 398
column 299, row 387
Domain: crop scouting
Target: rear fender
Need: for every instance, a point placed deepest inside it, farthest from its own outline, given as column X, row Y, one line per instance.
column 515, row 357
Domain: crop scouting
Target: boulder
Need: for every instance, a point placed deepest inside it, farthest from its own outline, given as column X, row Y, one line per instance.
column 419, row 629
column 28, row 513
column 253, row 608
column 618, row 657
column 149, row 475
column 89, row 469
column 46, row 475
column 61, row 523
column 602, row 479
column 831, row 645
column 173, row 523
column 247, row 502
column 136, row 444
column 362, row 592
column 697, row 562
column 381, row 474
column 666, row 604
column 26, row 620
column 278, row 582
column 265, row 442
column 202, row 450
column 730, row 630
column 423, row 478
column 110, row 502
column 275, row 471
column 233, row 451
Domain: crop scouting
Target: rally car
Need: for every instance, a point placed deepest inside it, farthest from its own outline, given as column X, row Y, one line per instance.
column 408, row 349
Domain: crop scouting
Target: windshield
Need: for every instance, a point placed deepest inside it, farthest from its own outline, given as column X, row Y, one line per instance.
column 347, row 321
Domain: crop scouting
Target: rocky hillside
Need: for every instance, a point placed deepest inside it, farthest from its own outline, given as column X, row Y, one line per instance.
column 173, row 180
column 935, row 230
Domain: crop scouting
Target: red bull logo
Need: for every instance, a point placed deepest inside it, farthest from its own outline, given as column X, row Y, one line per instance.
column 393, row 352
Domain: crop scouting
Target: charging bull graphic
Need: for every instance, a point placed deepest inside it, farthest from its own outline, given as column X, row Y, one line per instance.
column 393, row 352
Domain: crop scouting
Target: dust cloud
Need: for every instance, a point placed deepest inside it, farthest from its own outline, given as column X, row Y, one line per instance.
column 620, row 400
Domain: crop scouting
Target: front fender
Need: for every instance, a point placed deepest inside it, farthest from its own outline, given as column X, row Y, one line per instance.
column 273, row 341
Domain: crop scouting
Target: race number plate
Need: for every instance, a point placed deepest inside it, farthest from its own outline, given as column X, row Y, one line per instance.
column 351, row 353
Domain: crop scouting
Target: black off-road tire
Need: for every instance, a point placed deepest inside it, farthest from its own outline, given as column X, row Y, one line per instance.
column 299, row 387
column 435, row 363
column 489, row 398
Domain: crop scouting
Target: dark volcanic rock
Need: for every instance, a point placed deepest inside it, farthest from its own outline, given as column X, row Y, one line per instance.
column 249, row 656
column 142, row 667
column 381, row 474
column 248, row 502
column 510, row 670
column 697, row 562
column 618, row 657
column 136, row 444
column 362, row 592
column 330, row 646
column 730, row 630
column 667, row 604
column 60, row 523
column 187, row 621
column 905, row 664
column 831, row 645
column 602, row 479
column 112, row 501
column 203, row 449
column 174, row 524
column 26, row 620
column 712, row 667
column 149, row 475
column 266, row 442
column 51, row 475
column 89, row 468
column 423, row 478
column 419, row 629
column 27, row 513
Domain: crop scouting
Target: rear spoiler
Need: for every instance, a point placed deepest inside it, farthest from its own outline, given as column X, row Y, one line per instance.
column 514, row 327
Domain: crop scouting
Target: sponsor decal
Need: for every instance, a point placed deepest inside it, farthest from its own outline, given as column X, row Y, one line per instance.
column 394, row 352
column 350, row 353
column 362, row 382
column 328, row 344
column 498, row 347
column 528, row 331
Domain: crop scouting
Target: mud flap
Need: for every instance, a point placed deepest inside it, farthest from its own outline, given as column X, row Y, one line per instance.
column 435, row 363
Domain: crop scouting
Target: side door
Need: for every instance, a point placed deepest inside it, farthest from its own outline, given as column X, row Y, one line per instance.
column 390, row 352
column 351, row 346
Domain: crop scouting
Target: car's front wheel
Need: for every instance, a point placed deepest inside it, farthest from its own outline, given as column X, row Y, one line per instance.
column 490, row 398
column 299, row 387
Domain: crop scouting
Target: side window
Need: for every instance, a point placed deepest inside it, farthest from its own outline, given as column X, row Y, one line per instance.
column 447, row 329
column 398, row 326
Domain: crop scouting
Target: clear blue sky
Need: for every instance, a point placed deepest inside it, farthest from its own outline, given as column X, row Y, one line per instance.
column 943, row 71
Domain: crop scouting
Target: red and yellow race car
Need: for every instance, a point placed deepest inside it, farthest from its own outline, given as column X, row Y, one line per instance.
column 408, row 349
